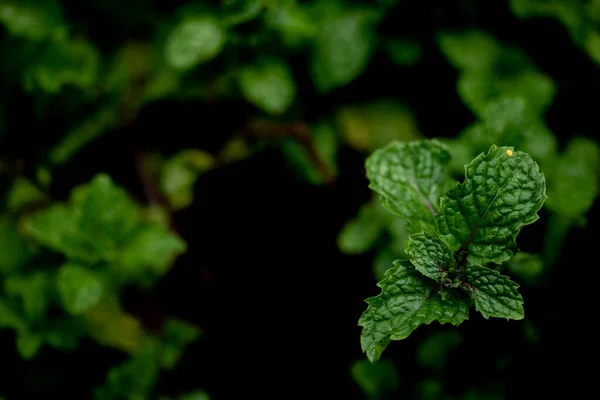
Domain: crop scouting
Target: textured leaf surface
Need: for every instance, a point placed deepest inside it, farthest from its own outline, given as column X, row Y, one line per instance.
column 429, row 255
column 410, row 177
column 494, row 295
column 501, row 194
column 406, row 302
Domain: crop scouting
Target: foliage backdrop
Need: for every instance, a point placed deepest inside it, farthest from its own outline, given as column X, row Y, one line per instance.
column 184, row 210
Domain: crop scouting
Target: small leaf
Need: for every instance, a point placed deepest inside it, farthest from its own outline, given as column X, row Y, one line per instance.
column 485, row 213
column 32, row 291
column 494, row 295
column 409, row 178
column 195, row 40
column 344, row 45
column 407, row 300
column 78, row 288
column 23, row 193
column 195, row 395
column 178, row 335
column 470, row 50
column 360, row 234
column 432, row 353
column 528, row 267
column 269, row 85
column 430, row 256
column 28, row 344
column 33, row 20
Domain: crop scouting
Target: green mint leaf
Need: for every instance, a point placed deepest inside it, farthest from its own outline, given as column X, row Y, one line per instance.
column 32, row 291
column 269, row 85
column 429, row 255
column 494, row 295
column 78, row 288
column 527, row 267
column 409, row 178
column 344, row 45
column 195, row 40
column 502, row 192
column 22, row 194
column 433, row 351
column 573, row 179
column 407, row 300
column 33, row 20
column 28, row 344
column 361, row 233
column 178, row 334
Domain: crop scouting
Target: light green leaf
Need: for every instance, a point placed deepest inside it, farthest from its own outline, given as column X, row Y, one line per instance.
column 150, row 249
column 291, row 21
column 10, row 317
column 470, row 50
column 494, row 295
column 407, row 300
column 502, row 192
column 78, row 288
column 573, row 179
column 385, row 260
column 14, row 250
column 23, row 193
column 360, row 234
column 195, row 40
column 375, row 380
column 430, row 256
column 344, row 45
column 409, row 178
column 269, row 85
column 178, row 334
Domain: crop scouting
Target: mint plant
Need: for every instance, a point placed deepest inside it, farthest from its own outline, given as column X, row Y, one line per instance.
column 455, row 233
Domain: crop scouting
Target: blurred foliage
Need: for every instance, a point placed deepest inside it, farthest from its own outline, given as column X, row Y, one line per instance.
column 88, row 71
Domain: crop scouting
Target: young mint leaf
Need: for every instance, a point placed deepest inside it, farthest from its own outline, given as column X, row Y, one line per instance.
column 429, row 255
column 502, row 192
column 410, row 178
column 195, row 40
column 269, row 85
column 494, row 295
column 344, row 45
column 78, row 288
column 407, row 300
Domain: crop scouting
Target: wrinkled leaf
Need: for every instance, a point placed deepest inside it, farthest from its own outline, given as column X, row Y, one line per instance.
column 429, row 255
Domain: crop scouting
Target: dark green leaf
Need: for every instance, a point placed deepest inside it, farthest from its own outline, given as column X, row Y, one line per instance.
column 502, row 192
column 78, row 288
column 429, row 255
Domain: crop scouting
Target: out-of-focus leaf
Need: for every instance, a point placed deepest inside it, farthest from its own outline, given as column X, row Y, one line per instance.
column 374, row 125
column 33, row 20
column 404, row 51
column 269, row 85
column 195, row 395
column 110, row 326
column 291, row 21
column 22, row 194
column 470, row 50
column 195, row 40
column 344, row 44
column 527, row 267
column 432, row 353
column 179, row 173
column 150, row 250
column 385, row 260
column 178, row 334
column 78, row 287
column 14, row 250
column 28, row 344
column 325, row 142
column 360, row 234
column 65, row 63
column 375, row 380
column 32, row 292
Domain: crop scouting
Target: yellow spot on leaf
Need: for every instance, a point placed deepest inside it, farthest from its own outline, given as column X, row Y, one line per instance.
column 509, row 153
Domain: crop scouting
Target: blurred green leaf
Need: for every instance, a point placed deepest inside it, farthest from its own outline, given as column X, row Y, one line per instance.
column 360, row 234
column 78, row 287
column 375, row 124
column 195, row 40
column 526, row 266
column 269, row 85
column 28, row 344
column 14, row 250
column 32, row 291
column 178, row 334
column 404, row 51
column 150, row 250
column 375, row 380
column 573, row 178
column 344, row 45
column 22, row 194
column 179, row 174
column 471, row 50
column 433, row 351
column 33, row 20
column 196, row 395
column 291, row 20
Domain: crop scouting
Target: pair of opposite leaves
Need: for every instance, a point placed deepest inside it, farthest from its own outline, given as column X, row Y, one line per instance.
column 457, row 230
